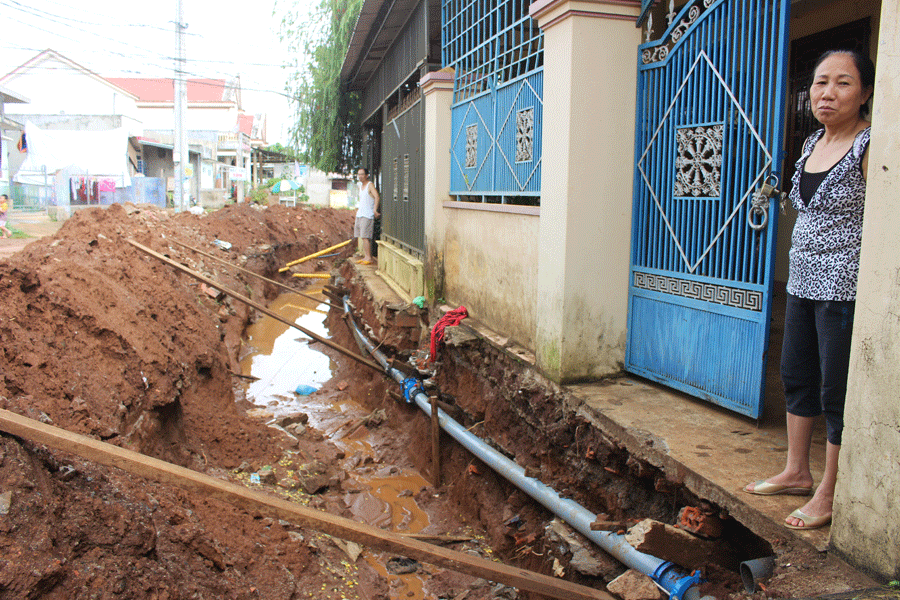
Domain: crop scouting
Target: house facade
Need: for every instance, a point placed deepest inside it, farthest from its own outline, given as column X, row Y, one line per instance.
column 67, row 97
column 592, row 180
column 218, row 130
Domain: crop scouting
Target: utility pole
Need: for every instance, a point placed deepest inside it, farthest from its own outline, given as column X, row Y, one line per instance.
column 180, row 156
column 240, row 163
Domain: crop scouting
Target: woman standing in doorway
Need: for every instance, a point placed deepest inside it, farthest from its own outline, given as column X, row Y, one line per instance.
column 828, row 192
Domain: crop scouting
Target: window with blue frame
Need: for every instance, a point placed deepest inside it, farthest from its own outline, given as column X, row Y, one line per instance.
column 497, row 52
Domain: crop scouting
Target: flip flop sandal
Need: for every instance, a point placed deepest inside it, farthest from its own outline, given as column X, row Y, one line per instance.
column 809, row 522
column 764, row 488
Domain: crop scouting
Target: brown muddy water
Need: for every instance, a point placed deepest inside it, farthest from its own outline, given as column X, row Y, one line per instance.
column 282, row 359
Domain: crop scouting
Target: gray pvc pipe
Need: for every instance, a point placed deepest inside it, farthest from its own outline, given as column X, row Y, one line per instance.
column 666, row 575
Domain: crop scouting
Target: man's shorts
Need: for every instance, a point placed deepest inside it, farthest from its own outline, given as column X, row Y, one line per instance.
column 363, row 228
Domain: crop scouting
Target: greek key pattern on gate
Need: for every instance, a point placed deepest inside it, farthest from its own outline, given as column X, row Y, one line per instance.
column 697, row 290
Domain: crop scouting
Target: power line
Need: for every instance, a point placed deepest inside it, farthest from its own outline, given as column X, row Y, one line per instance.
column 43, row 30
column 115, row 22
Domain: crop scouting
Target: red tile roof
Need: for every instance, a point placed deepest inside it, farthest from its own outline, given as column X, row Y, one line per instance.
column 163, row 90
column 245, row 124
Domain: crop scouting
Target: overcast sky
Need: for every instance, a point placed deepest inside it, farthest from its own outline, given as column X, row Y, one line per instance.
column 137, row 39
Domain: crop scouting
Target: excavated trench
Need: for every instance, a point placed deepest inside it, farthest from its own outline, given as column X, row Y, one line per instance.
column 518, row 412
column 103, row 341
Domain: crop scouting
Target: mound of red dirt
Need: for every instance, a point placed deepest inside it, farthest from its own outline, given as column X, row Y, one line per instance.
column 101, row 339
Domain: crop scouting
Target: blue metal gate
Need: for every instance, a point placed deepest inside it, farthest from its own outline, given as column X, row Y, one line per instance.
column 496, row 49
column 710, row 117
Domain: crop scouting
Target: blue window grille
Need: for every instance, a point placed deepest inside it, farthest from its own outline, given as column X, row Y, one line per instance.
column 497, row 52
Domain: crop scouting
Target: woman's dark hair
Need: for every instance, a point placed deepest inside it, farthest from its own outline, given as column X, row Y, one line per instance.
column 864, row 65
column 365, row 170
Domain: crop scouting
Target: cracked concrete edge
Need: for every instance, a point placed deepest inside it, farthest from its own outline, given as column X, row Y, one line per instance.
column 636, row 444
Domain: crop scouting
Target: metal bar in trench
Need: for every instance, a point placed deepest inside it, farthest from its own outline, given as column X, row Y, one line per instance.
column 257, row 306
column 270, row 506
column 258, row 276
column 314, row 255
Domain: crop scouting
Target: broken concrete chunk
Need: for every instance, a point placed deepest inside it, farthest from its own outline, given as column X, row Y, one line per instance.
column 314, row 484
column 456, row 336
column 5, row 502
column 267, row 475
column 634, row 585
column 352, row 549
column 260, row 414
column 583, row 562
column 297, row 429
column 673, row 544
column 400, row 565
column 292, row 418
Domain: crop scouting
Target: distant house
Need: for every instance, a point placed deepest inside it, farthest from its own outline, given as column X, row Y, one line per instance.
column 10, row 132
column 77, row 122
column 65, row 96
column 215, row 122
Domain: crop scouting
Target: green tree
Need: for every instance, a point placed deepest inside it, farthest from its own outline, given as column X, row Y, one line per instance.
column 326, row 127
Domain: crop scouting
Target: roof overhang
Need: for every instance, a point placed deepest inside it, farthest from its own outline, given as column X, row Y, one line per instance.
column 378, row 25
column 7, row 96
column 155, row 144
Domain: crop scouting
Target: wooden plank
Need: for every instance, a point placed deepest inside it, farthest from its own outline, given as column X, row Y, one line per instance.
column 256, row 305
column 270, row 506
column 257, row 275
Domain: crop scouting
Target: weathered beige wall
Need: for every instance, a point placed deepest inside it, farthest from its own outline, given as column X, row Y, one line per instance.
column 489, row 260
column 866, row 529
column 590, row 77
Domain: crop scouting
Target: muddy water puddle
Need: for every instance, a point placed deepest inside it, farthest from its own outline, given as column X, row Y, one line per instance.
column 290, row 370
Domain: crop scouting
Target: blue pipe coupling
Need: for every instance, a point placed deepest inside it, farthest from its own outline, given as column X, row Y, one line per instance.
column 412, row 387
column 669, row 577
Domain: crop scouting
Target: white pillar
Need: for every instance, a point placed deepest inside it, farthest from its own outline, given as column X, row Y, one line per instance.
column 590, row 77
column 437, row 90
column 866, row 529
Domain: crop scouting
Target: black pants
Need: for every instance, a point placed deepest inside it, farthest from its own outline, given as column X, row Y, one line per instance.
column 815, row 359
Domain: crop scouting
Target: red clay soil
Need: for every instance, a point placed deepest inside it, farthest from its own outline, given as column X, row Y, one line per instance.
column 102, row 340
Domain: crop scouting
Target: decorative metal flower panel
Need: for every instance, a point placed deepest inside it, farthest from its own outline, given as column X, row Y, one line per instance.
column 698, row 162
column 524, row 135
column 471, row 146
column 699, row 172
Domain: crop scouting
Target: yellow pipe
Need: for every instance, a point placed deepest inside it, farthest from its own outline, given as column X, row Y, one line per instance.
column 319, row 253
column 312, row 275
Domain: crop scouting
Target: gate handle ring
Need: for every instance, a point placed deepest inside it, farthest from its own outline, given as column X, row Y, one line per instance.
column 757, row 210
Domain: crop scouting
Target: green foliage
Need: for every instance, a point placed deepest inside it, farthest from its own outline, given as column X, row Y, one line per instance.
column 277, row 147
column 327, row 127
column 258, row 195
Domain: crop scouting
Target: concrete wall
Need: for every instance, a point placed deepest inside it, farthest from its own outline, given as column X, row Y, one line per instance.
column 489, row 263
column 866, row 529
column 70, row 122
column 55, row 87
